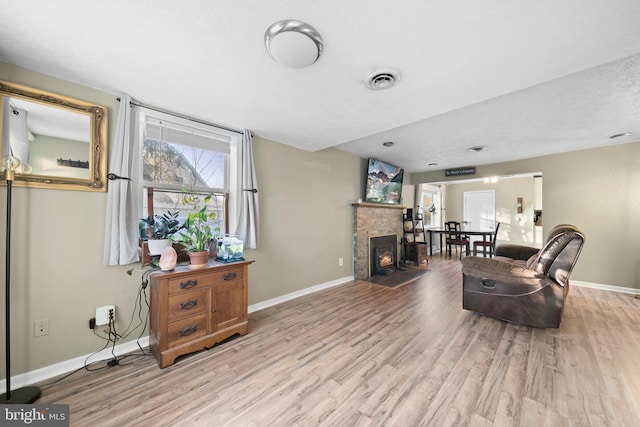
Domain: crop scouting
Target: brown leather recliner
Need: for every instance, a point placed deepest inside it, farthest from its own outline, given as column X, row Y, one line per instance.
column 526, row 292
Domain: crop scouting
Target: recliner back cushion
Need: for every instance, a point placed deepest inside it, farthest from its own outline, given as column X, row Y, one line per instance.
column 559, row 253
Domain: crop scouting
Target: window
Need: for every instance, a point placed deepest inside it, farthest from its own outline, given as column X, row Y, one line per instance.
column 181, row 157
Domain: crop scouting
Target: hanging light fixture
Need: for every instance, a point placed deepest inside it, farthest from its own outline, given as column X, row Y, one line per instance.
column 10, row 165
column 293, row 44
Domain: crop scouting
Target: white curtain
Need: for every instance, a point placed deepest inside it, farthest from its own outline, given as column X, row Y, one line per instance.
column 248, row 225
column 124, row 197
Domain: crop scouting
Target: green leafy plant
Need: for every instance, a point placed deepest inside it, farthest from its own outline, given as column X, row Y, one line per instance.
column 162, row 226
column 198, row 232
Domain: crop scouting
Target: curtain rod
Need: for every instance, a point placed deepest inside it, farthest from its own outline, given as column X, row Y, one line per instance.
column 160, row 110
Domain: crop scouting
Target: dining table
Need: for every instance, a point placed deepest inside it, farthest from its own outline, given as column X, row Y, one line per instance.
column 486, row 233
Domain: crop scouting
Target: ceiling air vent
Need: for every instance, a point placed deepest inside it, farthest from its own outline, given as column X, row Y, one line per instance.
column 382, row 79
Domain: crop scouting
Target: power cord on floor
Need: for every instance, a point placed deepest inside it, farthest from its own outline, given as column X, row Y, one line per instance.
column 113, row 336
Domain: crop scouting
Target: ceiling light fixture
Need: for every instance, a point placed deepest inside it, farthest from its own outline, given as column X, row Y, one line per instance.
column 477, row 148
column 293, row 43
column 389, row 144
column 619, row 135
column 382, row 79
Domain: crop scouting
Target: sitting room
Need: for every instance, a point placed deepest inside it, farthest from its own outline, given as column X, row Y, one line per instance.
column 294, row 138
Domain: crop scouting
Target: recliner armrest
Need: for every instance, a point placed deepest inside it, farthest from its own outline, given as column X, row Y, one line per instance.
column 520, row 252
column 509, row 277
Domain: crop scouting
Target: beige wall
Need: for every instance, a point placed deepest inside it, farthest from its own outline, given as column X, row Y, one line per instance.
column 598, row 190
column 58, row 237
column 305, row 218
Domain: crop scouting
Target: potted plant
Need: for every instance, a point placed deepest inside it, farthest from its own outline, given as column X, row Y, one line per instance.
column 159, row 229
column 198, row 232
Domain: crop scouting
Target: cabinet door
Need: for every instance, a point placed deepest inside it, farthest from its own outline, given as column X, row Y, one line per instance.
column 228, row 305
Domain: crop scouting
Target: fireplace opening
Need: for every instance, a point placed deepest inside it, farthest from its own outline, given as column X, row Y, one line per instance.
column 384, row 254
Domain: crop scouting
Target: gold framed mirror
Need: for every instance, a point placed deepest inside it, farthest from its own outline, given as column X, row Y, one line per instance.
column 64, row 140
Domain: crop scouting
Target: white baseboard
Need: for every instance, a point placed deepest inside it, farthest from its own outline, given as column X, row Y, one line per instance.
column 284, row 298
column 51, row 371
column 611, row 288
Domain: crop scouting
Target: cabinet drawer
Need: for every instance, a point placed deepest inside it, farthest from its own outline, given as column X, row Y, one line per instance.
column 203, row 280
column 225, row 276
column 188, row 284
column 185, row 330
column 186, row 304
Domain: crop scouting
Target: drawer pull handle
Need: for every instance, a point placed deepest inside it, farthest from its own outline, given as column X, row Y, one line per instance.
column 187, row 331
column 213, row 310
column 189, row 284
column 229, row 276
column 188, row 304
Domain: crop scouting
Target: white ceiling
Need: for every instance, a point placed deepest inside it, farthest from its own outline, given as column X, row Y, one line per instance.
column 525, row 78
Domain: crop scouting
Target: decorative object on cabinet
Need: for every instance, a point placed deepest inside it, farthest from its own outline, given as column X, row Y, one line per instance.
column 159, row 229
column 198, row 259
column 197, row 233
column 191, row 310
column 230, row 249
column 413, row 229
column 79, row 125
column 27, row 394
column 168, row 259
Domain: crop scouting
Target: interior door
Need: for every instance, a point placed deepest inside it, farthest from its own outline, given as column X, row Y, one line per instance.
column 479, row 208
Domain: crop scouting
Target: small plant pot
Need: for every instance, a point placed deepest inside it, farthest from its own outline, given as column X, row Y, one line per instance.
column 198, row 259
column 156, row 246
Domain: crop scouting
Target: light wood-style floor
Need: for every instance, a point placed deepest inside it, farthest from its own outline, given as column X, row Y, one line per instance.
column 365, row 355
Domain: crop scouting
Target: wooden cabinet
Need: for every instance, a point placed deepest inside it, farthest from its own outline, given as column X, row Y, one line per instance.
column 195, row 309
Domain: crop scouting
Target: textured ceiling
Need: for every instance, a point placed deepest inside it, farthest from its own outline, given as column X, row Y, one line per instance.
column 523, row 78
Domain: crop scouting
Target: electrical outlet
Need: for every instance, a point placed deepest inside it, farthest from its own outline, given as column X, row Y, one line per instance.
column 40, row 328
column 340, row 262
column 102, row 314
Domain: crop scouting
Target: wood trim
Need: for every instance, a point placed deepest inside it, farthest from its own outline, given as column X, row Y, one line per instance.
column 376, row 205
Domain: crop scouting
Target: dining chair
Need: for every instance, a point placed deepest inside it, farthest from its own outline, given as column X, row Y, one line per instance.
column 491, row 244
column 456, row 238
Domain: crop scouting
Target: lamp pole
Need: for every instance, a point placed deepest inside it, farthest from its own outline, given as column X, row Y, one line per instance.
column 9, row 175
column 27, row 394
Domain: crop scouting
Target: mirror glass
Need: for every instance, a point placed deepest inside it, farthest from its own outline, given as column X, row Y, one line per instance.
column 62, row 139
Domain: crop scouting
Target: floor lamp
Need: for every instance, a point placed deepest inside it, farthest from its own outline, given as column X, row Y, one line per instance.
column 27, row 394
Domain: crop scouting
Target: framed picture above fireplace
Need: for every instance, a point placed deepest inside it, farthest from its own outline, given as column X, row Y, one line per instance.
column 384, row 183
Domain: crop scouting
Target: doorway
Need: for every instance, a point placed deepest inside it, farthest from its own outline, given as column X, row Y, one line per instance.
column 479, row 208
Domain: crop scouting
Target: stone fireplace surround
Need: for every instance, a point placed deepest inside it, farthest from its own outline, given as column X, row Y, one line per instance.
column 373, row 220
